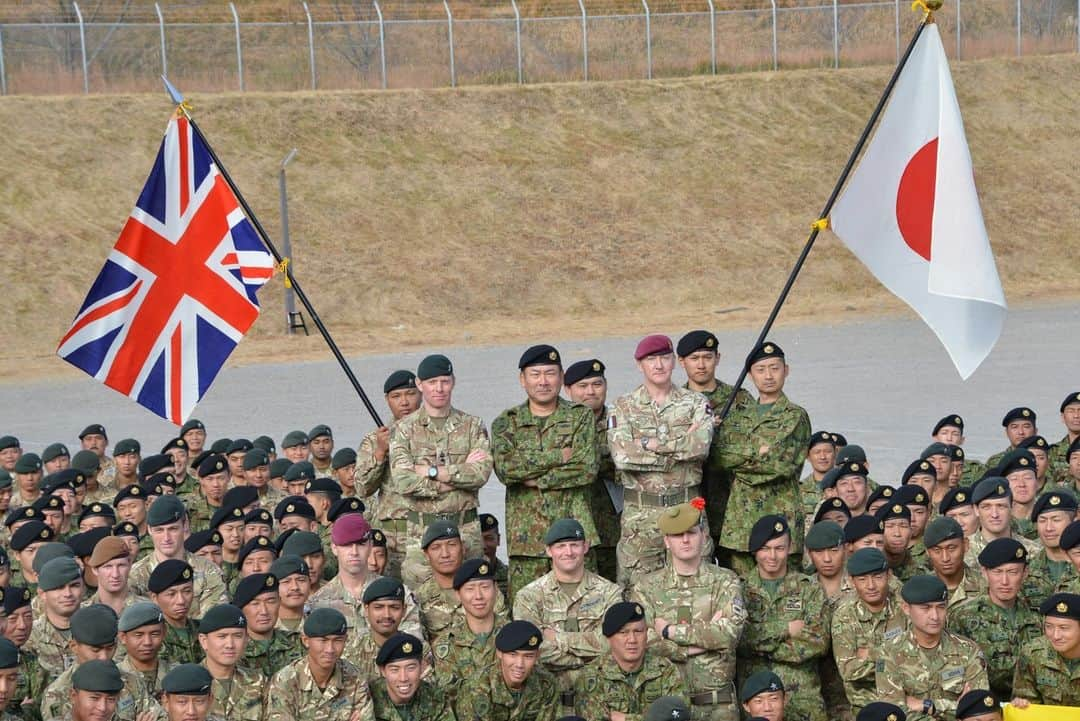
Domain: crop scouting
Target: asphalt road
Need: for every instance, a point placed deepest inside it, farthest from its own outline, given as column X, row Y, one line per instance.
column 883, row 384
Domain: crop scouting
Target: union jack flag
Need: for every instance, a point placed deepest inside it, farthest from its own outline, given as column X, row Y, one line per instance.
column 177, row 292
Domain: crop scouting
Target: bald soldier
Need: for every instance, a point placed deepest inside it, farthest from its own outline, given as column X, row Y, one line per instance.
column 546, row 455
column 659, row 435
column 439, row 459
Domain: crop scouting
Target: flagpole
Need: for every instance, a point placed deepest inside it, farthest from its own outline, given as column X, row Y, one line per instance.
column 281, row 260
column 928, row 6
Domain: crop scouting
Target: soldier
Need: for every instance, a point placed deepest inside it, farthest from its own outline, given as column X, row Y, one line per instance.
column 307, row 546
column 127, row 453
column 468, row 643
column 343, row 470
column 26, row 539
column 10, row 450
column 567, row 604
column 131, row 504
column 256, row 556
column 259, row 522
column 295, row 446
column 917, row 501
column 95, row 691
column 439, row 459
column 1039, row 449
column 321, row 494
column 950, row 430
column 945, row 548
column 1071, row 477
column 94, row 637
column 205, row 544
column 545, row 453
column 697, row 611
column 378, row 559
column 1070, row 418
column 321, row 446
column 787, row 627
column 879, row 498
column 1019, row 423
column 851, row 486
column 141, row 631
column 764, row 445
column 186, row 694
column 256, row 467
column 896, row 522
column 267, row 650
column 111, row 563
column 207, row 498
column 194, row 434
column 512, row 687
column 957, row 505
column 1018, row 468
column 60, row 588
column 228, row 521
column 862, row 622
column 294, row 590
column 827, row 553
column 401, row 692
column 1052, row 514
column 172, row 589
column 373, row 459
column 658, row 434
column 1047, row 671
column 90, row 464
column 234, row 454
column 238, row 692
column 32, row 678
column 321, row 686
column 384, row 610
column 820, row 453
column 995, row 620
column 623, row 682
column 993, row 505
column 927, row 669
column 763, row 696
column 939, row 456
column 585, row 384
column 27, row 477
column 489, row 534
column 9, row 679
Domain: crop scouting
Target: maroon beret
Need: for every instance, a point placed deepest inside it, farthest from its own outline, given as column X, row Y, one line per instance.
column 653, row 345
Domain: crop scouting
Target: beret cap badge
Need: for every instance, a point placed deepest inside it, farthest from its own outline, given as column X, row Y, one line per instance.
column 596, row 366
column 779, row 526
column 406, row 647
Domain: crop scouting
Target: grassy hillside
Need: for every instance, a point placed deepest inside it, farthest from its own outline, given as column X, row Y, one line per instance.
column 423, row 218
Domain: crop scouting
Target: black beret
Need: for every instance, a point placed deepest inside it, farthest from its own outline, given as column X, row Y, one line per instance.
column 32, row 532
column 154, row 464
column 294, row 438
column 956, row 453
column 302, row 471
column 384, row 587
column 131, row 491
column 991, row 487
column 294, row 506
column 472, row 570
column 1034, row 442
column 94, row 625
column 15, row 597
column 239, row 445
column 821, row 437
column 5, row 479
column 287, row 566
column 165, row 510
column 49, row 503
column 564, row 529
column 767, row 528
column 224, row 615
column 201, row 539
column 518, row 636
column 829, row 505
column 254, row 458
column 9, row 654
column 619, row 615
column 97, row 675
column 28, row 463
column 193, row 424
column 912, row 495
column 23, row 513
column 439, row 530
column 893, row 510
column 1074, row 447
column 976, row 703
column 581, row 370
column 324, row 622
column 1070, row 537
column 764, row 350
column 378, row 538
column 259, row 516
column 169, row 573
column 1062, row 605
column 94, row 429
column 488, row 522
column 954, row 498
column 434, row 366
column 258, row 543
column 759, row 683
column 83, row 543
column 343, row 457
column 240, row 496
column 942, row 529
column 1057, row 500
column 139, row 614
column 264, row 442
column 1018, row 414
column 953, row 420
column 398, row 647
column 866, row 561
column 1001, row 551
column 254, row 585
column 924, row 589
column 918, row 467
column 7, row 442
column 4, row 563
column 696, row 340
column 323, row 484
column 126, row 528
column 1018, row 459
column 215, row 463
column 399, row 379
column 69, row 477
column 343, row 506
column 1073, row 397
column 302, row 543
column 825, row 534
column 881, row 711
column 178, row 443
column 539, row 355
column 849, row 454
column 188, row 679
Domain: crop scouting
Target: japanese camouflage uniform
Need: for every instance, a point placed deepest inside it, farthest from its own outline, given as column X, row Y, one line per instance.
column 181, row 645
column 1044, row 676
column 606, row 519
column 209, row 583
column 715, row 477
column 267, row 656
column 460, row 652
column 439, row 607
column 1000, row 633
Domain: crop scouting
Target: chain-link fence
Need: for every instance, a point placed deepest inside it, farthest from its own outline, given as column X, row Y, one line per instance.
column 377, row 48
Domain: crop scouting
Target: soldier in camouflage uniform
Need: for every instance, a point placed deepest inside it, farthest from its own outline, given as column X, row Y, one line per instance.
column 9, row 679
column 862, row 622
column 950, row 430
column 60, row 587
column 142, row 632
column 825, row 548
column 489, row 534
column 267, row 650
column 546, row 455
column 928, row 662
column 321, row 686
column 1052, row 513
column 629, row 677
column 895, row 519
column 1047, row 671
column 568, row 604
column 238, row 693
column 993, row 504
column 187, row 693
column 32, row 679
column 468, row 643
column 820, row 452
column 586, row 384
column 207, row 499
column 439, row 460
column 763, row 445
column 787, row 628
column 659, row 434
column 172, row 589
column 1019, row 423
column 512, row 688
column 697, row 611
column 699, row 354
column 945, row 548
column 384, row 610
column 1057, row 457
column 401, row 693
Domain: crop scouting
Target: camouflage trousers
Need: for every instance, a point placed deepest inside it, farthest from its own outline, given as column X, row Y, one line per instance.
column 641, row 544
column 414, row 566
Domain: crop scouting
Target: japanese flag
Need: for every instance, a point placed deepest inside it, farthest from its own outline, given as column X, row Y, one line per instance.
column 910, row 211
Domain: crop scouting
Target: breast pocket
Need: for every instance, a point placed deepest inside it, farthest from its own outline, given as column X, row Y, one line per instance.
column 952, row 680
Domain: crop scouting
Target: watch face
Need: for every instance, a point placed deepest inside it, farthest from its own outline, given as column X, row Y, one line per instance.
column 432, row 472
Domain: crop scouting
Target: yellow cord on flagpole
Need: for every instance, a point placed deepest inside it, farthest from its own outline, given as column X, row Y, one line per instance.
column 184, row 109
column 283, row 267
column 820, row 224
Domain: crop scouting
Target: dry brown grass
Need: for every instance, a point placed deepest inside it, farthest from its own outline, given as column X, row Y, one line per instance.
column 426, row 218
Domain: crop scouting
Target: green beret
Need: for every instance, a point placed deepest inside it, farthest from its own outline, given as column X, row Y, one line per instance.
column 54, row 451
column 302, row 543
column 678, row 519
column 279, row 466
column 439, row 530
column 221, row 445
column 256, row 457
column 193, row 424
column 866, row 561
column 249, row 587
column 188, row 679
column 7, row 442
column 518, row 636
column 399, row 646
column 759, row 683
column 1062, row 605
column 5, row 479
column 94, row 625
column 302, row 471
column 98, row 675
column 850, row 454
column 288, row 565
column 48, row 551
column 924, row 589
column 696, row 340
column 434, row 366
column 57, row 573
column 319, row 431
column 1057, row 500
column 581, row 370
column 764, row 351
column 942, row 529
column 343, row 457
column 881, row 711
column 239, row 445
column 293, row 439
column 324, row 622
column 668, row 708
column 28, row 463
column 473, row 569
column 619, row 615
column 766, row 529
column 9, row 654
column 15, row 597
column 384, row 587
column 399, row 379
column 222, row 616
column 165, row 510
column 266, row 443
column 1018, row 414
column 169, row 573
column 539, row 355
column 138, row 615
column 824, row 534
column 936, row 448
column 86, row 461
column 990, row 488
column 975, row 703
column 564, row 529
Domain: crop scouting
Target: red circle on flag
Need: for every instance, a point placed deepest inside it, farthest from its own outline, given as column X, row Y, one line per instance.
column 915, row 199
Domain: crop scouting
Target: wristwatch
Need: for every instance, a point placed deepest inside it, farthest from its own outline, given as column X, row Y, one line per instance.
column 928, row 707
column 644, row 443
column 432, row 471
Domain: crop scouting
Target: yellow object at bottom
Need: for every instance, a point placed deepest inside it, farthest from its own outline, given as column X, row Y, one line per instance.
column 1039, row 712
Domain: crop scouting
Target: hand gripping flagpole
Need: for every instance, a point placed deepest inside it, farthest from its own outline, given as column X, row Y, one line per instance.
column 283, row 264
column 928, row 7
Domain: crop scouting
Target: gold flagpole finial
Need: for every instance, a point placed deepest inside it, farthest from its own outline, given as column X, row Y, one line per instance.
column 929, row 7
